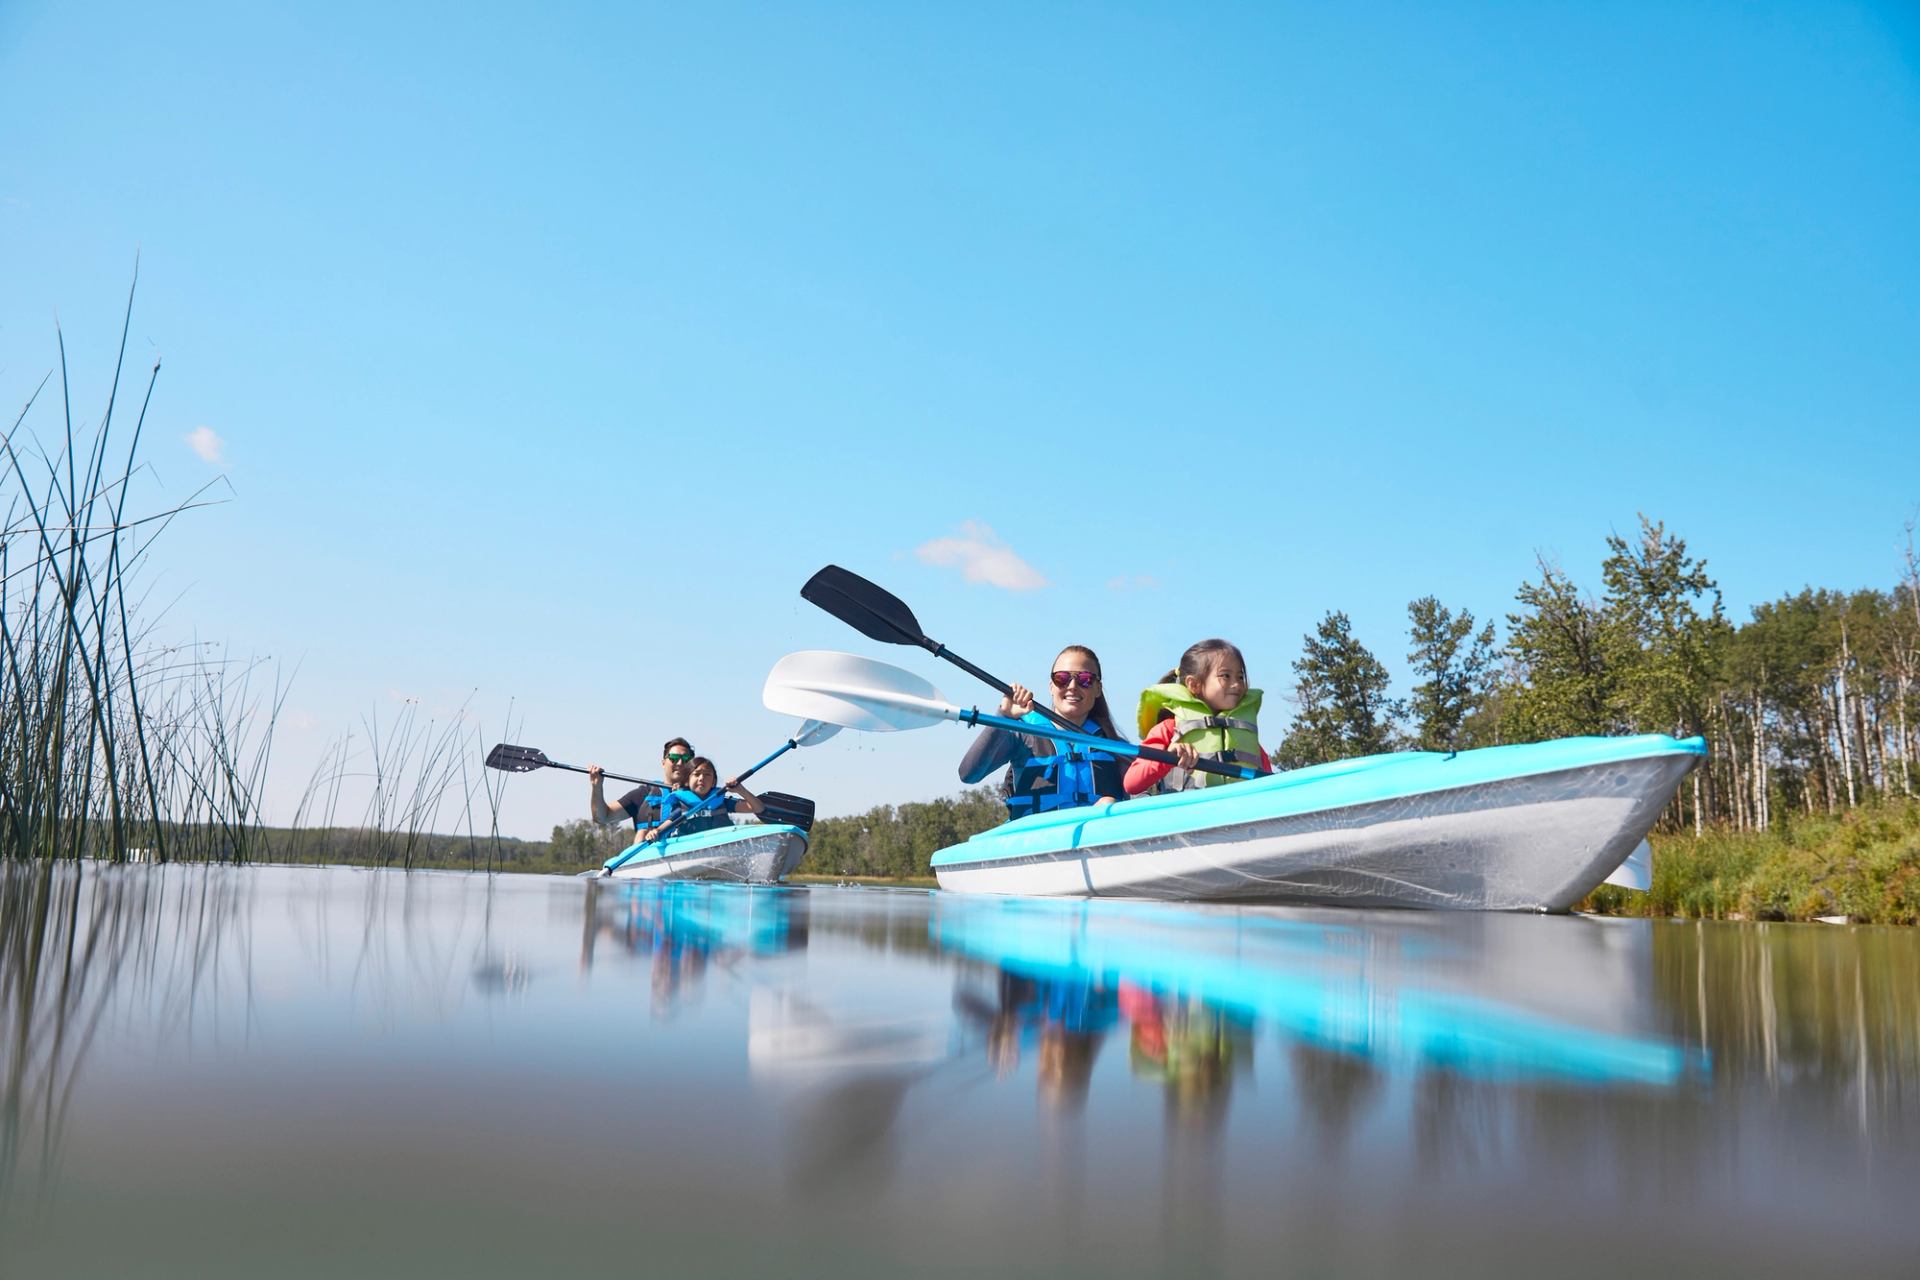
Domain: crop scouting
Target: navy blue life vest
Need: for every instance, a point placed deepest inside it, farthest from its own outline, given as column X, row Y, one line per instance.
column 1073, row 776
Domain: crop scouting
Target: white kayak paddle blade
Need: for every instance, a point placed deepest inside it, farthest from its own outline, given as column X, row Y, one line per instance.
column 813, row 733
column 852, row 692
column 1637, row 871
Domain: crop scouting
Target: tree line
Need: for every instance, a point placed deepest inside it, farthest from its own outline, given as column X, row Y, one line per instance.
column 1809, row 706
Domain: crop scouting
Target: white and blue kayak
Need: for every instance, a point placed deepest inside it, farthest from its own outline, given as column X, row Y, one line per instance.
column 751, row 853
column 1532, row 827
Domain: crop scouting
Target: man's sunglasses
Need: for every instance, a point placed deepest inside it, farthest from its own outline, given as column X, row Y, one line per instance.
column 678, row 757
column 1085, row 679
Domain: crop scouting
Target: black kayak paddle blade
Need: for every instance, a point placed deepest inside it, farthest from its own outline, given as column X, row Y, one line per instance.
column 874, row 612
column 512, row 759
column 792, row 811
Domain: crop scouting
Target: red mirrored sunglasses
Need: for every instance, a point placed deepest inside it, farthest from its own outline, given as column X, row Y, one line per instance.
column 1085, row 679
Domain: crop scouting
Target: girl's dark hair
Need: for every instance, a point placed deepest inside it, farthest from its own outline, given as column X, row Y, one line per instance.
column 697, row 761
column 1101, row 714
column 1198, row 659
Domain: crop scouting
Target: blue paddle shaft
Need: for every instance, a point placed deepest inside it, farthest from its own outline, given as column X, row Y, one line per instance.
column 977, row 716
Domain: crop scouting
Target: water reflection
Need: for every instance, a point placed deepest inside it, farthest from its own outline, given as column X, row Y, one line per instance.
column 77, row 951
column 1395, row 989
column 885, row 1076
column 679, row 928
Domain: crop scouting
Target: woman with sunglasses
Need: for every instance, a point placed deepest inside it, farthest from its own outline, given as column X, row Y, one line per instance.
column 1043, row 774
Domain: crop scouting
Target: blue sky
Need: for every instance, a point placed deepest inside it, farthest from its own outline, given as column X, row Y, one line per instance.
column 547, row 354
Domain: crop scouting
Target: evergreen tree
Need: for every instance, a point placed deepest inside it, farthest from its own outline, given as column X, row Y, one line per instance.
column 1663, row 653
column 1459, row 669
column 1563, row 684
column 1342, row 694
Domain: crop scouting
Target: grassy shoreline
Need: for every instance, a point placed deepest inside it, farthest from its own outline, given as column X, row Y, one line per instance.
column 1863, row 864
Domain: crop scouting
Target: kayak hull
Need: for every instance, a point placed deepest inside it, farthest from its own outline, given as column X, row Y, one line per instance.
column 1526, row 828
column 749, row 853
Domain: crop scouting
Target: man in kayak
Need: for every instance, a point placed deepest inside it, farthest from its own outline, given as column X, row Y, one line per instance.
column 648, row 805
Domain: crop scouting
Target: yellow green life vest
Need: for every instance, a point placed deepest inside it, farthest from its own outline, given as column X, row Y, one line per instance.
column 1231, row 737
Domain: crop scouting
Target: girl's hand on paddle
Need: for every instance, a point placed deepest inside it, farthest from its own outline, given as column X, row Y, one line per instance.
column 1017, row 703
column 1187, row 754
column 646, row 837
column 595, row 773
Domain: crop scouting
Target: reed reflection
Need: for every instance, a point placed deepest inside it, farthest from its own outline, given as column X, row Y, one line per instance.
column 82, row 944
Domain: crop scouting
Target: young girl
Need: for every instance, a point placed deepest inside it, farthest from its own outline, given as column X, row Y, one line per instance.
column 700, row 780
column 1044, row 774
column 1201, row 710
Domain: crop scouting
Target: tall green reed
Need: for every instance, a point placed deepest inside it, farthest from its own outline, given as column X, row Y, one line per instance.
column 110, row 745
column 117, row 746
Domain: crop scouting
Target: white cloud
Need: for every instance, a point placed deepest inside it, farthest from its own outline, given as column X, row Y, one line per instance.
column 981, row 557
column 206, row 442
column 1133, row 582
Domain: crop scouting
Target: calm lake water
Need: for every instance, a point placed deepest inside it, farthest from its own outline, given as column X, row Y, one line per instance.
column 280, row 1071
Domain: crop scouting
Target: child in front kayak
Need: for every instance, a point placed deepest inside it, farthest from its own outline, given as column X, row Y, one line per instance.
column 700, row 781
column 1201, row 710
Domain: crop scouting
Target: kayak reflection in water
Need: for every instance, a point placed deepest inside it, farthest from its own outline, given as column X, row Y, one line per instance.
column 1064, row 1020
column 1193, row 1046
column 680, row 928
column 1042, row 774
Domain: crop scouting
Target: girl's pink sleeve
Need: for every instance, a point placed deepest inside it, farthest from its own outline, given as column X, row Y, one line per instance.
column 1143, row 774
column 1266, row 764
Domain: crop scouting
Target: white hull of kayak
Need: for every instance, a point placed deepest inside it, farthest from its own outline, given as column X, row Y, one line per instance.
column 749, row 857
column 1538, row 843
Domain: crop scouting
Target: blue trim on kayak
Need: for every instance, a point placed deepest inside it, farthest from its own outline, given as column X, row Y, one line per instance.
column 700, row 842
column 1341, row 784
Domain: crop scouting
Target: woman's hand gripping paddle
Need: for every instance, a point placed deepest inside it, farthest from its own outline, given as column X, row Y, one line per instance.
column 812, row 732
column 880, row 615
column 859, row 693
